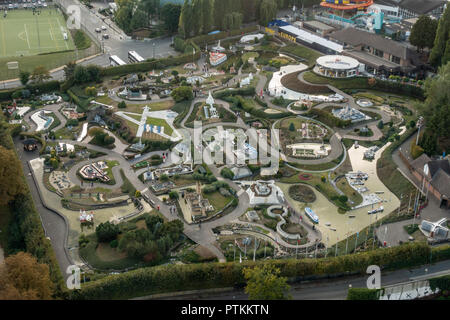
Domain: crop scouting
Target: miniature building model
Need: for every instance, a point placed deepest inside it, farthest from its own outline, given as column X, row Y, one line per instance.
column 95, row 171
column 197, row 205
column 349, row 113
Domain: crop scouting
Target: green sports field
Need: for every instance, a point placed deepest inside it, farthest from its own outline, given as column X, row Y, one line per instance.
column 25, row 34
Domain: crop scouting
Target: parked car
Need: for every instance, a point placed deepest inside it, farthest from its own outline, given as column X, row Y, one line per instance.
column 98, row 30
column 105, row 36
column 103, row 28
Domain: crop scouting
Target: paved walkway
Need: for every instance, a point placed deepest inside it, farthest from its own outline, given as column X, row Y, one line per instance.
column 432, row 212
column 2, row 256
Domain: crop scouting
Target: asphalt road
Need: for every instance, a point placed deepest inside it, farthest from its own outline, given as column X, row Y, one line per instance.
column 54, row 225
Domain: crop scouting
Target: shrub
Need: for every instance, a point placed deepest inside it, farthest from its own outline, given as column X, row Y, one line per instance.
column 106, row 232
column 363, row 294
column 227, row 173
column 416, row 151
column 182, row 93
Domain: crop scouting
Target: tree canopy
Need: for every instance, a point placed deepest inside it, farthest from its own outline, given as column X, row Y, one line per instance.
column 23, row 278
column 11, row 183
column 423, row 32
column 436, row 111
column 440, row 54
column 265, row 283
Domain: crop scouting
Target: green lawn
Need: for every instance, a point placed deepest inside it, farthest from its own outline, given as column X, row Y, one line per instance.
column 36, row 41
column 23, row 33
column 303, row 52
column 156, row 122
column 217, row 201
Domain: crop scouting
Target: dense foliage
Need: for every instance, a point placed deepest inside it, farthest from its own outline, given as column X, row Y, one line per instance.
column 436, row 111
column 440, row 54
column 213, row 275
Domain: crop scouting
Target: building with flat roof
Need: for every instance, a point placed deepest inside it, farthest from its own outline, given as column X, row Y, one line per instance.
column 406, row 9
column 315, row 26
column 377, row 53
column 310, row 39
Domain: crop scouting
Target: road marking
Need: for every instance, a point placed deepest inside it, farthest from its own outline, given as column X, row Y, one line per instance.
column 54, row 39
column 3, row 40
column 61, row 28
column 26, row 33
column 145, row 190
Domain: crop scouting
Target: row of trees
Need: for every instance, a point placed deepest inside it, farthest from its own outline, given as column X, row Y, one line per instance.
column 440, row 54
column 202, row 16
column 436, row 111
column 151, row 243
column 136, row 14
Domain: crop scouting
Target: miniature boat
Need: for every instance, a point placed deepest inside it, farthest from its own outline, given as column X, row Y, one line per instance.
column 380, row 209
column 311, row 215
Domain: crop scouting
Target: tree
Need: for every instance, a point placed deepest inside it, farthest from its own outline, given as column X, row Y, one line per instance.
column 11, row 183
column 291, row 127
column 207, row 15
column 173, row 195
column 227, row 173
column 436, row 112
column 139, row 19
column 265, row 283
column 122, row 105
column 380, row 124
column 185, row 23
column 106, row 232
column 170, row 13
column 24, row 77
column 90, row 91
column 23, row 278
column 124, row 14
column 69, row 70
column 423, row 32
column 40, row 74
column 182, row 93
column 440, row 54
column 267, row 12
column 81, row 74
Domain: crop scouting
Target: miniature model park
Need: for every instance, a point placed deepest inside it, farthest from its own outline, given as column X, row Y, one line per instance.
column 286, row 140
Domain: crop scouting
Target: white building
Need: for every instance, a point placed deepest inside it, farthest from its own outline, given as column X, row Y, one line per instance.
column 337, row 66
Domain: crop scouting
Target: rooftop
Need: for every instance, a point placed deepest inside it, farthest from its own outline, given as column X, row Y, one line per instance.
column 416, row 6
column 358, row 37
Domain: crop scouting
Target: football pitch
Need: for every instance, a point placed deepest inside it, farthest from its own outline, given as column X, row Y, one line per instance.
column 25, row 34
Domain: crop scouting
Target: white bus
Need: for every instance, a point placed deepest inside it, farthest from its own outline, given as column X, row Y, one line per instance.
column 116, row 61
column 133, row 56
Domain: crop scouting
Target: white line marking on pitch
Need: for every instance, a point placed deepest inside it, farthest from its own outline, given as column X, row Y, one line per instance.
column 62, row 29
column 28, row 41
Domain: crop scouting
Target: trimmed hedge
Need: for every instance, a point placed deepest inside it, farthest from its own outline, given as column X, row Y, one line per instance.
column 441, row 283
column 167, row 278
column 37, row 88
column 363, row 294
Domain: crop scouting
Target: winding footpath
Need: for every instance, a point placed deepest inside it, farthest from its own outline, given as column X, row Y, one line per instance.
column 201, row 234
